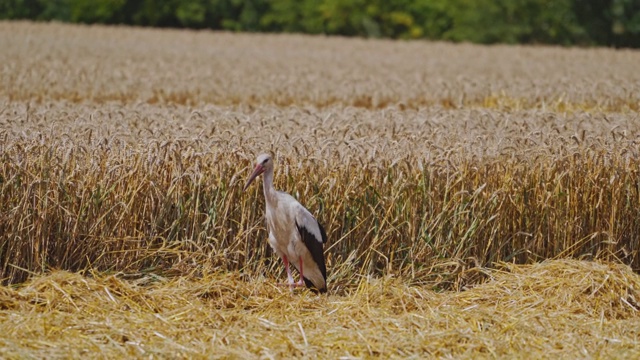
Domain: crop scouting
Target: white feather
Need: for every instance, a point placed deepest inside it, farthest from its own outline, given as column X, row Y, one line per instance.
column 306, row 220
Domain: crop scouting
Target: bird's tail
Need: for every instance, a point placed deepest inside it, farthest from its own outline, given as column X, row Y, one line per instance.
column 314, row 288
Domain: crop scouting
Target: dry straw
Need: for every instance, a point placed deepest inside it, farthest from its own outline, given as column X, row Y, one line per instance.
column 553, row 309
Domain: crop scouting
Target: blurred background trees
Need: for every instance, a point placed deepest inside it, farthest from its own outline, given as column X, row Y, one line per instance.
column 564, row 22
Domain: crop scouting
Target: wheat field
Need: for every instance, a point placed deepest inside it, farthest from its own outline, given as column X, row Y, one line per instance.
column 480, row 201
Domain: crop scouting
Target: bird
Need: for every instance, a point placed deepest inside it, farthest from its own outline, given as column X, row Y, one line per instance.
column 294, row 234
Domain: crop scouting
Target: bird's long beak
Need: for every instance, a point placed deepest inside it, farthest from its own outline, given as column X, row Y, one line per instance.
column 259, row 169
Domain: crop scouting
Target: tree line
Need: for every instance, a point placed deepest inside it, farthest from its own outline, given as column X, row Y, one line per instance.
column 563, row 22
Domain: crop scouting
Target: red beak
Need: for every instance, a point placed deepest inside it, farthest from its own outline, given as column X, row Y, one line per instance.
column 257, row 171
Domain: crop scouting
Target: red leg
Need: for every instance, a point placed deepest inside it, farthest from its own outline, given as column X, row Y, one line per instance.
column 291, row 283
column 286, row 265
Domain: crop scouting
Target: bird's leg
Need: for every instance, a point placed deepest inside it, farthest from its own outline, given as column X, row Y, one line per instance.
column 292, row 283
column 301, row 282
column 286, row 265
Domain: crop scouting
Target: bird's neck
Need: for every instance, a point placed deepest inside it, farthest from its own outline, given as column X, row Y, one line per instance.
column 267, row 185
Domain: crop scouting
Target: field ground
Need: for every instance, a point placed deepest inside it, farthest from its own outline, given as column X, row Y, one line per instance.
column 480, row 201
column 556, row 309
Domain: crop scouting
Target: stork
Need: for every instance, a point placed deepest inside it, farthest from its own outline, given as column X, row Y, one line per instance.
column 294, row 234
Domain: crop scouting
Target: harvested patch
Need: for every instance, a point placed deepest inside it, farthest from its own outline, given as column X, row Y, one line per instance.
column 562, row 308
column 587, row 288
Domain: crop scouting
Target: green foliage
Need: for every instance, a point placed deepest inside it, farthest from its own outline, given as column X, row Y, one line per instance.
column 53, row 10
column 191, row 13
column 610, row 22
column 294, row 16
column 433, row 17
column 95, row 11
column 514, row 21
column 154, row 13
column 19, row 9
column 565, row 22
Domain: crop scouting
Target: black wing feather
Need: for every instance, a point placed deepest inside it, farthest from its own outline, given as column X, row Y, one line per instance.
column 322, row 233
column 316, row 249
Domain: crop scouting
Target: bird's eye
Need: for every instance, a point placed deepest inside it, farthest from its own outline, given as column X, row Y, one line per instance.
column 265, row 161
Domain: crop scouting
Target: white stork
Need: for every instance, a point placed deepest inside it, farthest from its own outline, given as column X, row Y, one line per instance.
column 294, row 234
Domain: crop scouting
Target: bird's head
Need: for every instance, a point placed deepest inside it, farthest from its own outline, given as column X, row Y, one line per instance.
column 263, row 163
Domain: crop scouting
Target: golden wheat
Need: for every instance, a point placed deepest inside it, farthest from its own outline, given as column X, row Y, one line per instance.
column 109, row 187
column 59, row 62
column 124, row 151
